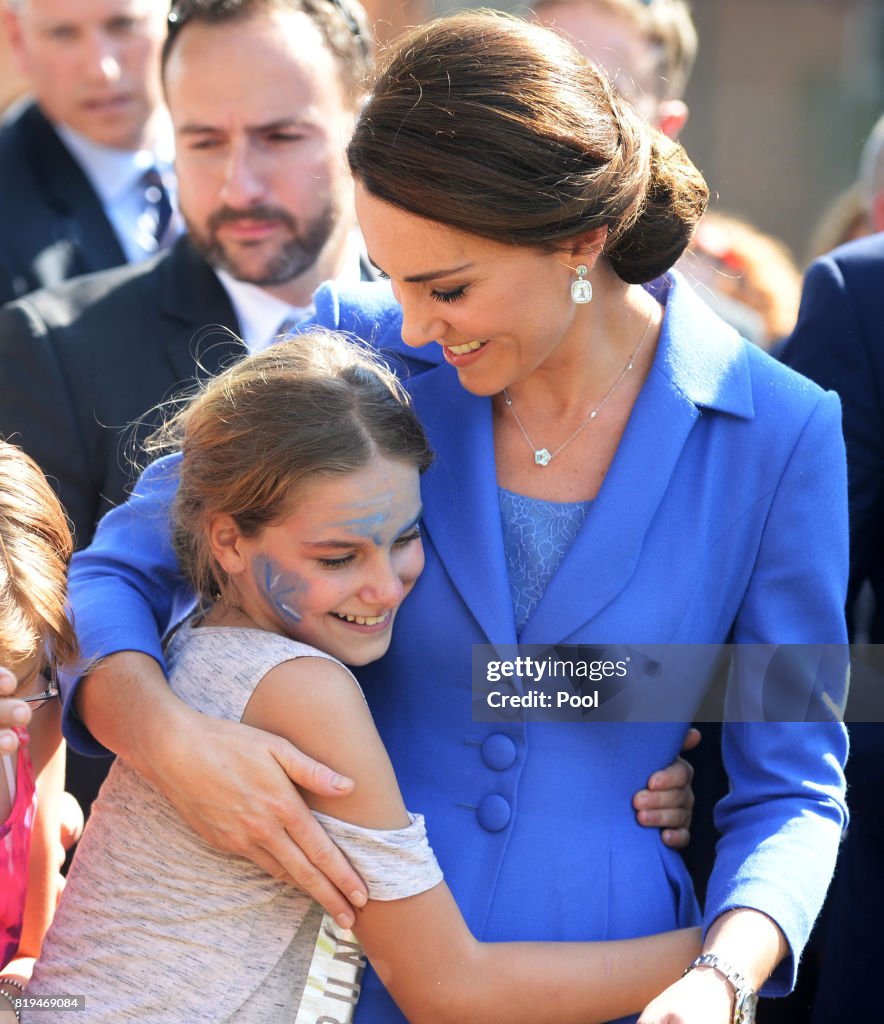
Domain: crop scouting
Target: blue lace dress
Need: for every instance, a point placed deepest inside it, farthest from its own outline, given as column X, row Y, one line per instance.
column 536, row 537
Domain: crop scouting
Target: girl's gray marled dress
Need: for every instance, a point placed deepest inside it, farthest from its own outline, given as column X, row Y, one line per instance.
column 157, row 926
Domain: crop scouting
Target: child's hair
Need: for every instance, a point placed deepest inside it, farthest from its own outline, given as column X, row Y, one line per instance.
column 315, row 407
column 35, row 547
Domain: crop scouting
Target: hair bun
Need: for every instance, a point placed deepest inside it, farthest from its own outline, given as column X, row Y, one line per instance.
column 674, row 201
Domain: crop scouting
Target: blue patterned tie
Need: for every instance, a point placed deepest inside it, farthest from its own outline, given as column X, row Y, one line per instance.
column 157, row 205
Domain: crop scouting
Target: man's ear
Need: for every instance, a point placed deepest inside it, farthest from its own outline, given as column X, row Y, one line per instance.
column 12, row 30
column 878, row 212
column 672, row 116
column 225, row 542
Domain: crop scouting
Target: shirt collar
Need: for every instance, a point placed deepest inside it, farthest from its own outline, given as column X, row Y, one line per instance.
column 113, row 171
column 260, row 314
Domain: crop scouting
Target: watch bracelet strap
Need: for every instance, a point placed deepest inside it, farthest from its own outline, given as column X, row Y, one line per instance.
column 732, row 976
column 12, row 997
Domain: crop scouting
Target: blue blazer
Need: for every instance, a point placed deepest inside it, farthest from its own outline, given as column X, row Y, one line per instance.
column 722, row 518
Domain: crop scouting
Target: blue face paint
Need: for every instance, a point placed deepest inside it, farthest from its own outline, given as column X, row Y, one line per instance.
column 279, row 588
column 367, row 525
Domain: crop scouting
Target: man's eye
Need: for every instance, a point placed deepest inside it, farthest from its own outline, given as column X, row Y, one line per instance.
column 122, row 25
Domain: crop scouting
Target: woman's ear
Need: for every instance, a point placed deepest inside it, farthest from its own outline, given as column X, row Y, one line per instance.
column 225, row 541
column 588, row 246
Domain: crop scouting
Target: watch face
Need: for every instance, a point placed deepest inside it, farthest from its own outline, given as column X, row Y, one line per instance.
column 744, row 1010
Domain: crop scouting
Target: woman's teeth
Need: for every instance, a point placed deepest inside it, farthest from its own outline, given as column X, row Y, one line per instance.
column 470, row 346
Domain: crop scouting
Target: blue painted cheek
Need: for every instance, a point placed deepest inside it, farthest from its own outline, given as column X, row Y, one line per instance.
column 281, row 590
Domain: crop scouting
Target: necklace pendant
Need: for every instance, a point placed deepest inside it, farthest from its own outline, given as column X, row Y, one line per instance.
column 542, row 457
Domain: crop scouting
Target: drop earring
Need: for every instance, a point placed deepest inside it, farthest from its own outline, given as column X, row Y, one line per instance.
column 581, row 289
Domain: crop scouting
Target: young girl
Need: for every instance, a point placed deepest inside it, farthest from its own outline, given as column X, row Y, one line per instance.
column 297, row 522
column 35, row 545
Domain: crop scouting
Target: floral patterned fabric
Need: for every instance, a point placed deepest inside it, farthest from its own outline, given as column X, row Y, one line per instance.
column 536, row 537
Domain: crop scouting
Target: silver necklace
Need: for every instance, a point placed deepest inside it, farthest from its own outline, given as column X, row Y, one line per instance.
column 543, row 456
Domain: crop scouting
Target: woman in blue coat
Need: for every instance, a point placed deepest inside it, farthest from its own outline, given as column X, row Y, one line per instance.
column 614, row 466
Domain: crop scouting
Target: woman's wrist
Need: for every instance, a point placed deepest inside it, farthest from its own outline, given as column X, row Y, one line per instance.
column 126, row 703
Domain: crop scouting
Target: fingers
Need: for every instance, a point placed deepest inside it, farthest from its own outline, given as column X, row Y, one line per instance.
column 677, row 775
column 676, row 838
column 12, row 712
column 320, row 868
column 668, row 802
column 311, row 775
column 692, row 739
column 664, row 817
column 71, row 820
column 251, row 809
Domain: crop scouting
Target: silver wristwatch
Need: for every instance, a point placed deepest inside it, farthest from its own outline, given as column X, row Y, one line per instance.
column 745, row 997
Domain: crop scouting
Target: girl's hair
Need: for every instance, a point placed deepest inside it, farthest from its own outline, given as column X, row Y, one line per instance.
column 315, row 407
column 501, row 129
column 35, row 547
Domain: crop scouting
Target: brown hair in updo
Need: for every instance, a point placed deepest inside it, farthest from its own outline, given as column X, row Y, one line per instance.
column 501, row 129
column 316, row 407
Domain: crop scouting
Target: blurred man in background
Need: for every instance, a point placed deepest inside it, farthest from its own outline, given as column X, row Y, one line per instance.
column 85, row 165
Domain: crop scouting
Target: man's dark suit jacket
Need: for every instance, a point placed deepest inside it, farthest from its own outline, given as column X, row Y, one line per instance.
column 80, row 362
column 839, row 342
column 53, row 223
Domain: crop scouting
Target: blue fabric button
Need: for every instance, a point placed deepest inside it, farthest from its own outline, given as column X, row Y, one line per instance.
column 493, row 812
column 498, row 751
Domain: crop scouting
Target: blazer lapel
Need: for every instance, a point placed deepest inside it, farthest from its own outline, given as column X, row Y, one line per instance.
column 192, row 295
column 461, row 508
column 84, row 237
column 700, row 363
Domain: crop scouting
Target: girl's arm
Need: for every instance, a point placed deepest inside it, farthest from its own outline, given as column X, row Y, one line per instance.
column 46, row 748
column 420, row 946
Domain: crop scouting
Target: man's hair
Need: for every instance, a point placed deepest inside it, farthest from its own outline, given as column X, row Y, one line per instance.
column 342, row 24
column 668, row 27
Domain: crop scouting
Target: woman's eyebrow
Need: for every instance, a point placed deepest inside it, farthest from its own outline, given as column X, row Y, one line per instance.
column 430, row 275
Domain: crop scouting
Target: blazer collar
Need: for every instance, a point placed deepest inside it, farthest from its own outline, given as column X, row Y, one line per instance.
column 66, row 188
column 700, row 364
column 702, row 357
column 191, row 294
column 461, row 508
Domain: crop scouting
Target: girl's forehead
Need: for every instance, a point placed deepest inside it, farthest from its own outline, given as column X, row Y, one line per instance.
column 382, row 492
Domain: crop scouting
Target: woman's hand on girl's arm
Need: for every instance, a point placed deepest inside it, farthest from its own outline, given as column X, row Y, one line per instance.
column 232, row 784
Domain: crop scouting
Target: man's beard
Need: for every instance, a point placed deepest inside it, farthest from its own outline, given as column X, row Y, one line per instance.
column 290, row 260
